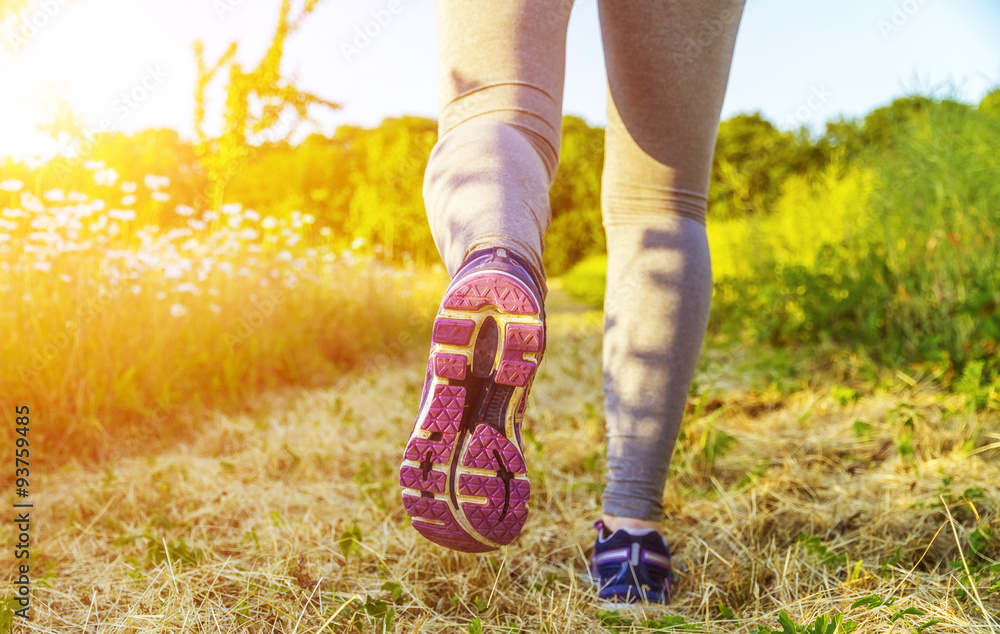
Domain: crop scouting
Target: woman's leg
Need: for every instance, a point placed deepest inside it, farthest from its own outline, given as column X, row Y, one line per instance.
column 501, row 68
column 668, row 65
column 464, row 480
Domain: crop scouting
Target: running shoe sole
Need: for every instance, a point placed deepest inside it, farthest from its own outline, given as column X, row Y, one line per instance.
column 464, row 480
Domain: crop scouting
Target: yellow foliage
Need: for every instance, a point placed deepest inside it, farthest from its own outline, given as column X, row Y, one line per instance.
column 811, row 213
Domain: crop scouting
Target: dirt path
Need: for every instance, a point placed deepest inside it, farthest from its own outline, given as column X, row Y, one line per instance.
column 289, row 518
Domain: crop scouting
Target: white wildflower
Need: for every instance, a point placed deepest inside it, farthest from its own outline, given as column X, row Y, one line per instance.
column 155, row 182
column 11, row 185
column 128, row 187
column 177, row 310
column 106, row 178
column 121, row 214
column 29, row 202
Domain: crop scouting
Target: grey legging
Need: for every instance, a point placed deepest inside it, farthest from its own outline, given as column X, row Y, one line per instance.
column 501, row 68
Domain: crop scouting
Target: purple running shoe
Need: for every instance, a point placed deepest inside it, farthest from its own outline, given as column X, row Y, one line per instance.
column 631, row 565
column 463, row 475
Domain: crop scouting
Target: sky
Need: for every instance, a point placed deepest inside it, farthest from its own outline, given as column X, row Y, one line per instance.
column 129, row 64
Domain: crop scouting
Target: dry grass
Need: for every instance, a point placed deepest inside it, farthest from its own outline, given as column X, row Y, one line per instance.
column 243, row 529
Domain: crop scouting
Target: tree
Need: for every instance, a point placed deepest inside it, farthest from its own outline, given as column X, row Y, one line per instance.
column 751, row 159
column 257, row 105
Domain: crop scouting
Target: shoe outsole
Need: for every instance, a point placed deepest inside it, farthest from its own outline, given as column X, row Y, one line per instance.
column 464, row 479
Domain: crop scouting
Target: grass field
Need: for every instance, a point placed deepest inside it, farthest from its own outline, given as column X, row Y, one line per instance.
column 220, row 400
column 807, row 485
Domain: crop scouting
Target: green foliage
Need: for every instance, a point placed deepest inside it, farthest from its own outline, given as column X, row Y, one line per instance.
column 844, row 395
column 752, row 159
column 891, row 561
column 349, row 541
column 874, row 602
column 813, row 545
column 394, row 589
column 890, row 244
column 980, row 567
column 587, row 280
column 714, row 444
column 576, row 231
column 175, row 551
column 862, row 429
column 990, row 104
column 8, row 606
column 613, row 620
column 160, row 550
column 978, row 390
column 824, row 624
column 364, row 615
column 476, row 626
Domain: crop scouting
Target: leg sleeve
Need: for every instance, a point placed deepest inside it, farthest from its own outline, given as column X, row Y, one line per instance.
column 668, row 66
column 501, row 70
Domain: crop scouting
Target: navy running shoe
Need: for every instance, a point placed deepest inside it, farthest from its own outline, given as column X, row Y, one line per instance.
column 631, row 565
column 465, row 484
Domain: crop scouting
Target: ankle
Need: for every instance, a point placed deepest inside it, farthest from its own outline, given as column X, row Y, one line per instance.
column 615, row 522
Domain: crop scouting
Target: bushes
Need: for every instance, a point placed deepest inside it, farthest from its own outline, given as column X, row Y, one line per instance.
column 896, row 251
